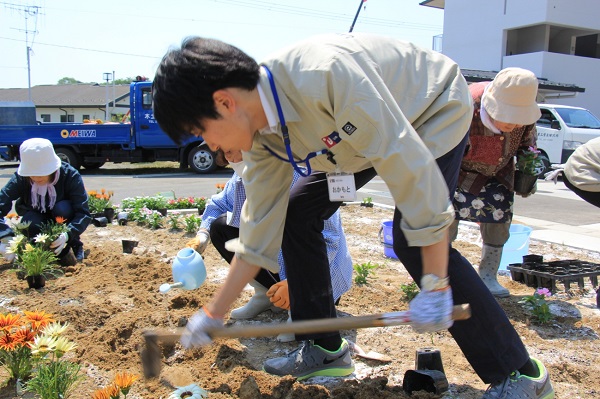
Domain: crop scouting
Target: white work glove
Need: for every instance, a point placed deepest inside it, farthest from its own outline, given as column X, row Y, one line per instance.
column 195, row 330
column 10, row 257
column 431, row 309
column 200, row 242
column 59, row 244
column 7, row 255
column 553, row 175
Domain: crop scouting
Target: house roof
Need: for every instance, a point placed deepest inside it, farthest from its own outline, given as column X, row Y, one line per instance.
column 544, row 85
column 82, row 95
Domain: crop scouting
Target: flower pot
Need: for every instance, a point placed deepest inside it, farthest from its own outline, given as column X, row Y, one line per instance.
column 524, row 183
column 100, row 221
column 36, row 282
column 429, row 359
column 109, row 214
column 122, row 218
column 128, row 246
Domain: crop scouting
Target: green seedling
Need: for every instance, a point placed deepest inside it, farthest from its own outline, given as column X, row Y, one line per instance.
column 363, row 271
column 410, row 290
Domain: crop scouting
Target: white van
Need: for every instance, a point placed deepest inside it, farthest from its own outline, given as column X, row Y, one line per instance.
column 561, row 129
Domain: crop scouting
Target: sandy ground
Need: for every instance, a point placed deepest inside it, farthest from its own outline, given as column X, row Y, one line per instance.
column 112, row 297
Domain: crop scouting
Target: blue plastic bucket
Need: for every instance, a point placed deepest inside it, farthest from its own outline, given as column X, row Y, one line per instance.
column 387, row 239
column 517, row 245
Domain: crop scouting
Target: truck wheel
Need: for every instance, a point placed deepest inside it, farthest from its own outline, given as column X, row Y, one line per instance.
column 546, row 161
column 69, row 156
column 202, row 160
column 92, row 165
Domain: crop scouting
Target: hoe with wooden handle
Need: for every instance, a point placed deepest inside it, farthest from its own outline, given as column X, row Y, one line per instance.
column 151, row 353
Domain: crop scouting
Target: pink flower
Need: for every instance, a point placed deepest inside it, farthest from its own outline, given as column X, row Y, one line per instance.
column 543, row 292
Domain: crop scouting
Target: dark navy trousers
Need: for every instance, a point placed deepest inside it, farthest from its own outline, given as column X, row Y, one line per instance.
column 488, row 339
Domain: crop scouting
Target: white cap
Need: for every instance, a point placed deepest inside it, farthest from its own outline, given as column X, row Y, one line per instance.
column 38, row 158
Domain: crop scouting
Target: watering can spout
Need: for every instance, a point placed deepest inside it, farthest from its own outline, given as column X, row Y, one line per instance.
column 166, row 287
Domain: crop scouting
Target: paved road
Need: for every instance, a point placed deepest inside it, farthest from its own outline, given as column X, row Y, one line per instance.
column 554, row 209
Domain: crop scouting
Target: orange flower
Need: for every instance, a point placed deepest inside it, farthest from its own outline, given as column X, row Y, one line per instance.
column 113, row 391
column 60, row 219
column 92, row 192
column 9, row 342
column 9, row 320
column 25, row 335
column 100, row 394
column 11, row 215
column 38, row 319
column 125, row 380
column 102, row 190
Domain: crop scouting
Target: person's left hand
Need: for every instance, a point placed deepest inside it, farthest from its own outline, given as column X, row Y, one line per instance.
column 279, row 295
column 59, row 244
column 195, row 330
column 431, row 309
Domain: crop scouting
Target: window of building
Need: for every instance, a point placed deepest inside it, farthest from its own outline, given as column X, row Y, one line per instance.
column 67, row 118
column 46, row 117
column 84, row 117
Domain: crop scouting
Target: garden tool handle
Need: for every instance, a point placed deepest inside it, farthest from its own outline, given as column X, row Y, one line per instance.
column 459, row 312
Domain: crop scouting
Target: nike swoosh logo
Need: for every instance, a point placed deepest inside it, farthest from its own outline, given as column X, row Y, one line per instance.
column 328, row 361
column 539, row 391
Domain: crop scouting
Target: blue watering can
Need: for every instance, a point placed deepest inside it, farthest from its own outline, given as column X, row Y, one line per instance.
column 188, row 269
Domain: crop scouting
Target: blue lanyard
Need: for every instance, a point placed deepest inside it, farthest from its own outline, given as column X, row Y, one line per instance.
column 286, row 135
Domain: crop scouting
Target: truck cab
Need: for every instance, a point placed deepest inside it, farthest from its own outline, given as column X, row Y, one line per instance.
column 561, row 129
column 194, row 153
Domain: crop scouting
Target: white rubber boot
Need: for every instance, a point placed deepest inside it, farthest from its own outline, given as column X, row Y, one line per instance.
column 287, row 337
column 488, row 270
column 256, row 305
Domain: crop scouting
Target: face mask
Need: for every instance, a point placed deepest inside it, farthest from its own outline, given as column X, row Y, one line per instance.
column 238, row 167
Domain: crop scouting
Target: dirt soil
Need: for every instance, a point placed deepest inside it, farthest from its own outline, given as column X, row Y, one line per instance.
column 112, row 297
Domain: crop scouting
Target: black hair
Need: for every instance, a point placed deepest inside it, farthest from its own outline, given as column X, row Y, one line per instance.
column 187, row 78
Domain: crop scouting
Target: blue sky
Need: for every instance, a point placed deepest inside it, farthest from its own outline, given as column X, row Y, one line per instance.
column 85, row 39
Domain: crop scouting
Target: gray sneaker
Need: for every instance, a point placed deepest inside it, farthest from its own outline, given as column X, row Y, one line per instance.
column 519, row 386
column 310, row 360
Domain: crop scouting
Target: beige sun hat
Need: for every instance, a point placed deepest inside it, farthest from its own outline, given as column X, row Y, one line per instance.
column 38, row 158
column 511, row 97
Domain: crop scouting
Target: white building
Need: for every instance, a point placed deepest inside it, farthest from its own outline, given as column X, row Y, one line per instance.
column 558, row 40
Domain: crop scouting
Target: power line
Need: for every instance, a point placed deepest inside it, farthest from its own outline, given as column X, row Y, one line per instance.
column 84, row 49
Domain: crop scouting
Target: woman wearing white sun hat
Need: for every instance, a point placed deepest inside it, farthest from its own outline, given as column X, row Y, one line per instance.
column 504, row 116
column 45, row 188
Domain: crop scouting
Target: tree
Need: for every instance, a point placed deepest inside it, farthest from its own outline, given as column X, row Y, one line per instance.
column 68, row 81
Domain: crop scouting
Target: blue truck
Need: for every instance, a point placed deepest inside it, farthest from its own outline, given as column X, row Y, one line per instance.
column 91, row 145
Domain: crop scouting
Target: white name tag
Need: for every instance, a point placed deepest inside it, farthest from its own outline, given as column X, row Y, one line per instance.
column 341, row 187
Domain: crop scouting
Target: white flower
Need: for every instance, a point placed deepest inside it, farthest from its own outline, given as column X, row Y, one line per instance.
column 41, row 238
column 63, row 345
column 477, row 203
column 464, row 213
column 499, row 197
column 192, row 391
column 23, row 225
column 43, row 344
column 15, row 243
column 460, row 197
column 55, row 329
column 498, row 214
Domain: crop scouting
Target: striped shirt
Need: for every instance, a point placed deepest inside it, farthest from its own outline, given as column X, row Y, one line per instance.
column 230, row 201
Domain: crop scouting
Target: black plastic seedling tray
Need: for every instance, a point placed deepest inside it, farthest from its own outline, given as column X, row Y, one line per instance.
column 534, row 272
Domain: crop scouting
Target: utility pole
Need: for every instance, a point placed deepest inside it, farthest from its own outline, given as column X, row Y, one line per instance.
column 107, row 77
column 27, row 11
column 357, row 12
